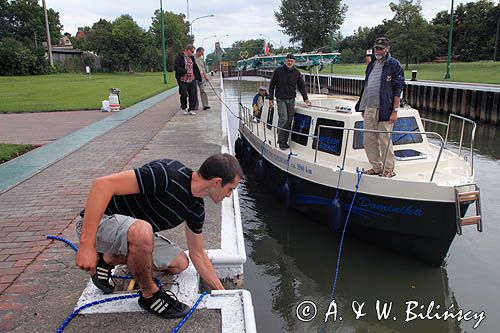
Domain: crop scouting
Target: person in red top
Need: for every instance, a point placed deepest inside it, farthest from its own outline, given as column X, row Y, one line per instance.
column 187, row 75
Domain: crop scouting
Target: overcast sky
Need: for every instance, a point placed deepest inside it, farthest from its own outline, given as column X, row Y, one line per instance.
column 240, row 19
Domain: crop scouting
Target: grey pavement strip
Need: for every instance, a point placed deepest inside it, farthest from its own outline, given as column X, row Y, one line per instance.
column 17, row 170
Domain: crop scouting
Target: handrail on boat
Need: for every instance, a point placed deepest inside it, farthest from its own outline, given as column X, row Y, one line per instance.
column 473, row 135
column 247, row 119
column 439, row 137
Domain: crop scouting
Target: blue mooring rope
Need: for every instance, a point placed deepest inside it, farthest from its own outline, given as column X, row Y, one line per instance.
column 106, row 300
column 65, row 241
column 186, row 317
column 360, row 174
column 117, row 298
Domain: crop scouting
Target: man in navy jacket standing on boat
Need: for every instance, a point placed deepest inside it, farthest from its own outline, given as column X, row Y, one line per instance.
column 378, row 105
column 283, row 85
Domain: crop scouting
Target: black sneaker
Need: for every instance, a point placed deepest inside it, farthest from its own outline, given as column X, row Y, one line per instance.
column 284, row 146
column 206, row 107
column 102, row 279
column 164, row 304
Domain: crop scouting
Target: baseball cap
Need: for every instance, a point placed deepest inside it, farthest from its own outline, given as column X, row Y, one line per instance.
column 290, row 56
column 262, row 88
column 381, row 42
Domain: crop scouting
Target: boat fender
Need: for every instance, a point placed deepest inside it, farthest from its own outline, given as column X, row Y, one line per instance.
column 335, row 214
column 238, row 148
column 286, row 195
column 260, row 169
column 247, row 155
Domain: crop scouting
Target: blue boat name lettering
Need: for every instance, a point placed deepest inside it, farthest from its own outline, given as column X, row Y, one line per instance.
column 280, row 159
column 303, row 168
column 329, row 144
column 403, row 210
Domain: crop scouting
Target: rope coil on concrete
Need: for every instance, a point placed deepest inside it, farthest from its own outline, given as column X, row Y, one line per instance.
column 117, row 298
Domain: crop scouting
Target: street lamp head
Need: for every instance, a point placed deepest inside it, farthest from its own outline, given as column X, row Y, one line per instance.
column 197, row 18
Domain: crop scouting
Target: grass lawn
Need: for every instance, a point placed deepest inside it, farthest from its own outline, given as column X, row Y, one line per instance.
column 75, row 91
column 475, row 72
column 9, row 151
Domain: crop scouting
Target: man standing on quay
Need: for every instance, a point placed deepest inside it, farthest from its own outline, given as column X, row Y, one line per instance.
column 283, row 85
column 200, row 62
column 379, row 105
column 187, row 74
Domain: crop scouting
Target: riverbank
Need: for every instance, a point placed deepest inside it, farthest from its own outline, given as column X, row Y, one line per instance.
column 470, row 72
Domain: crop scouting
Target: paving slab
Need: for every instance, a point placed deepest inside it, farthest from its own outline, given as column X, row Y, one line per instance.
column 39, row 128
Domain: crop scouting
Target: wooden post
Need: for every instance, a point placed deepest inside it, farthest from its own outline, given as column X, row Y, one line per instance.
column 495, row 109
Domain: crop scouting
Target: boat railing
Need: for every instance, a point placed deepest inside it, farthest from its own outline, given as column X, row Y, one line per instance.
column 253, row 124
column 439, row 137
column 464, row 121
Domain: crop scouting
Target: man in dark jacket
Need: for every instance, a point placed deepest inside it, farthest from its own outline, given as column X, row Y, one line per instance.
column 378, row 104
column 283, row 85
column 187, row 75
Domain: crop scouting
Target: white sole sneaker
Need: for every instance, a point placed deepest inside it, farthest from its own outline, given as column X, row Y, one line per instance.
column 192, row 113
column 186, row 112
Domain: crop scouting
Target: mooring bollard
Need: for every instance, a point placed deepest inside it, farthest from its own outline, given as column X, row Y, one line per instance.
column 414, row 75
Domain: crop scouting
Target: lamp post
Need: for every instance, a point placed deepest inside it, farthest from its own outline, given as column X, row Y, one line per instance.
column 331, row 47
column 450, row 35
column 200, row 17
column 49, row 44
column 204, row 39
column 219, row 37
column 164, row 56
column 220, row 59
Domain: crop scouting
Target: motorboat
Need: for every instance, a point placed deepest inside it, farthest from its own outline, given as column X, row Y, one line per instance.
column 417, row 212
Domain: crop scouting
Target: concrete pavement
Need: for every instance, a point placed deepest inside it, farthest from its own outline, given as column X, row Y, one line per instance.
column 39, row 283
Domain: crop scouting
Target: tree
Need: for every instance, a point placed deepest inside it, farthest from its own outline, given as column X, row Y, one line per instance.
column 176, row 34
column 475, row 30
column 441, row 25
column 26, row 22
column 99, row 41
column 4, row 18
column 127, row 41
column 151, row 55
column 310, row 21
column 412, row 37
column 22, row 31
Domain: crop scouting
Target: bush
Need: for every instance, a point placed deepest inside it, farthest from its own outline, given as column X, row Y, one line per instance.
column 17, row 59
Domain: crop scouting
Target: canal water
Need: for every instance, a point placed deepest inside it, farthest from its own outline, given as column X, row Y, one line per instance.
column 292, row 260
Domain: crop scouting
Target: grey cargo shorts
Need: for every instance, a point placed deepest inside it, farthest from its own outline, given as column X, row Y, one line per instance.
column 112, row 238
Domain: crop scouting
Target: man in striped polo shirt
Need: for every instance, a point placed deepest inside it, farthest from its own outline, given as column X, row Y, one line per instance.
column 378, row 105
column 124, row 212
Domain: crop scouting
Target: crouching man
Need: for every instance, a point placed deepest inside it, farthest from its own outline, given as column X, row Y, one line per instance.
column 125, row 210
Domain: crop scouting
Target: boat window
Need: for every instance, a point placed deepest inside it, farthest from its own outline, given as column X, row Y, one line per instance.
column 270, row 116
column 301, row 124
column 402, row 124
column 330, row 140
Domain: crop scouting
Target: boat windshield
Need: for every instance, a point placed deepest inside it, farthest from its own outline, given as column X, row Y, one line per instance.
column 402, row 124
